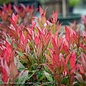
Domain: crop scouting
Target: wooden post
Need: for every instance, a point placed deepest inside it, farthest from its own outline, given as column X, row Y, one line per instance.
column 64, row 9
column 16, row 2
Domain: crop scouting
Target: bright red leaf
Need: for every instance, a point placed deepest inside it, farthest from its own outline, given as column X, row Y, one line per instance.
column 7, row 52
column 73, row 60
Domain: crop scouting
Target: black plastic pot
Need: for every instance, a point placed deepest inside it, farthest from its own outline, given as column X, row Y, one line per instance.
column 35, row 3
column 69, row 19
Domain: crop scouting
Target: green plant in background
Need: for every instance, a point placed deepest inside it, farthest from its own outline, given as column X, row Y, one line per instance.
column 4, row 1
column 73, row 3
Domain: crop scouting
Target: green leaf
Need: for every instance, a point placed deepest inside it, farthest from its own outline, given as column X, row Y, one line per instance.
column 40, row 75
column 36, row 84
column 30, row 74
column 20, row 53
column 19, row 65
column 48, row 76
column 0, row 80
column 22, row 77
column 65, row 80
column 77, row 84
column 79, row 78
column 31, row 58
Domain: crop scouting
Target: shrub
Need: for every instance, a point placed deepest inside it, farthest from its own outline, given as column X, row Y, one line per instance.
column 38, row 53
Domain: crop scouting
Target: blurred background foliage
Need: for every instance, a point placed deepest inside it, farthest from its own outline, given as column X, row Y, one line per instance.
column 4, row 1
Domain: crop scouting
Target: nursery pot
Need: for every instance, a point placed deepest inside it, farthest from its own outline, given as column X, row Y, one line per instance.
column 35, row 3
column 69, row 18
